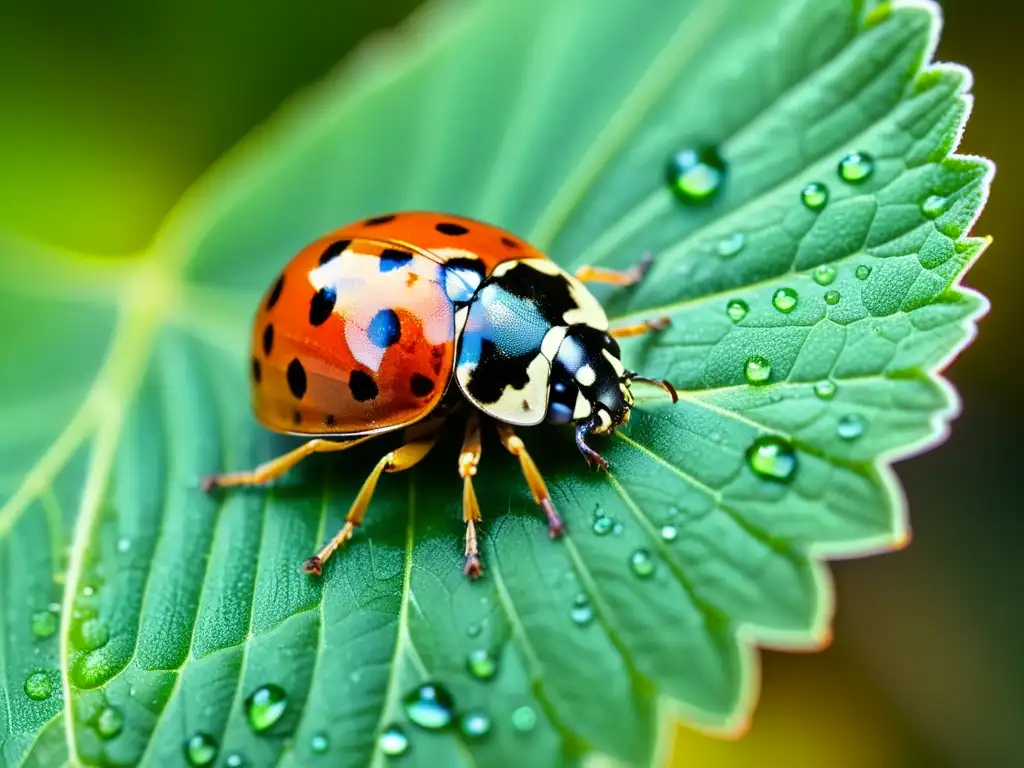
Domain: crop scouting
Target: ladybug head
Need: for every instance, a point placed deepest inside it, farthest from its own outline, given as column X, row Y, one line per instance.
column 590, row 386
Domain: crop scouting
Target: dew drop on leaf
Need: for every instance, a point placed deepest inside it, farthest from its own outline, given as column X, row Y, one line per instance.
column 582, row 613
column 320, row 743
column 38, row 686
column 772, row 457
column 90, row 634
column 109, row 723
column 824, row 274
column 851, row 426
column 856, row 167
column 475, row 725
column 785, row 300
column 524, row 719
column 736, row 310
column 482, row 664
column 201, row 750
column 234, row 760
column 473, row 630
column 264, row 707
column 602, row 524
column 757, row 370
column 863, row 272
column 641, row 563
column 696, row 175
column 123, row 545
column 825, row 389
column 814, row 196
column 44, row 624
column 393, row 741
column 430, row 706
column 669, row 533
column 933, row 206
column 729, row 246
column 832, row 297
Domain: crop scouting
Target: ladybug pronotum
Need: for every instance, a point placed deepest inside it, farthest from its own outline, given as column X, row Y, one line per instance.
column 398, row 321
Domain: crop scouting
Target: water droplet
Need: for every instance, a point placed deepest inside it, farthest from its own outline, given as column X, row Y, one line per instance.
column 482, row 664
column 824, row 274
column 234, row 761
column 582, row 613
column 856, row 167
column 814, row 196
column 851, row 426
column 736, row 310
column 320, row 743
column 832, row 297
column 772, row 457
column 524, row 719
column 201, row 750
column 669, row 533
column 862, row 272
column 393, row 741
column 729, row 246
column 109, row 723
column 264, row 707
column 38, row 686
column 123, row 544
column 617, row 529
column 673, row 511
column 88, row 591
column 696, row 175
column 475, row 725
column 785, row 300
column 602, row 524
column 44, row 624
column 430, row 706
column 90, row 634
column 757, row 370
column 825, row 389
column 641, row 563
column 933, row 206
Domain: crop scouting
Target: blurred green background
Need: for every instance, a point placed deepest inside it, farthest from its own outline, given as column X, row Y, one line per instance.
column 111, row 109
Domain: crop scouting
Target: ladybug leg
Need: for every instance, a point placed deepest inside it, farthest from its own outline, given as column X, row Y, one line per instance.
column 418, row 443
column 620, row 277
column 469, row 458
column 276, row 467
column 639, row 329
column 538, row 488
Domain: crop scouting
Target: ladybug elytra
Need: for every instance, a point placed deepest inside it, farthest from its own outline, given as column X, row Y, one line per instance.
column 398, row 321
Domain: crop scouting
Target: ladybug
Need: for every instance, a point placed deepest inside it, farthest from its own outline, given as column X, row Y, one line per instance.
column 398, row 321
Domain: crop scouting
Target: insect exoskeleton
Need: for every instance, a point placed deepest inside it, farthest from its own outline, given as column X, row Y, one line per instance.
column 400, row 321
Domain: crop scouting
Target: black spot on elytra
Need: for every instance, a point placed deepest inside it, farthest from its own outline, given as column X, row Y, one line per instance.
column 377, row 220
column 296, row 418
column 296, row 379
column 275, row 294
column 384, row 329
column 362, row 386
column 508, row 242
column 268, row 339
column 257, row 370
column 322, row 305
column 435, row 359
column 450, row 228
column 421, row 385
column 334, row 250
column 393, row 258
column 495, row 372
column 329, row 420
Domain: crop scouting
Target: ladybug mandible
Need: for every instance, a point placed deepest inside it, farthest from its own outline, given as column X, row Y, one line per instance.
column 367, row 327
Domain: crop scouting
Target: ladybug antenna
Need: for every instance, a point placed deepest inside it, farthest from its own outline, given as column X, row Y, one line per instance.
column 660, row 383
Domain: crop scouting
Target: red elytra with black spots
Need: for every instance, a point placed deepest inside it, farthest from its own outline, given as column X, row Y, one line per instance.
column 357, row 333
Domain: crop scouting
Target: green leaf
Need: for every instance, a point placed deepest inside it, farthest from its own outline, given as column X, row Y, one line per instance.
column 125, row 382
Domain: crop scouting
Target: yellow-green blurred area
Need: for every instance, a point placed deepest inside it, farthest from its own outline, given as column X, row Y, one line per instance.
column 108, row 111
